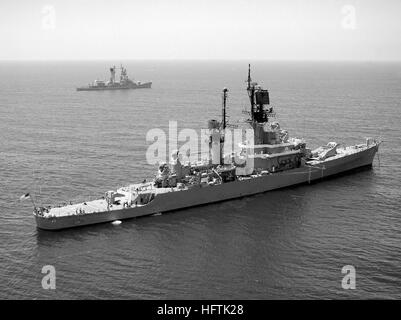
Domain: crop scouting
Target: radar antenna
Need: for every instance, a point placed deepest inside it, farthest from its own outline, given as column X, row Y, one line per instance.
column 258, row 98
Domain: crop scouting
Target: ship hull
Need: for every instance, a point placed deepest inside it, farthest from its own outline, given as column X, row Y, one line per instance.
column 145, row 85
column 199, row 195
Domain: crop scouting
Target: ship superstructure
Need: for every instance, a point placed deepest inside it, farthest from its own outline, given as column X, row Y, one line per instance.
column 124, row 82
column 272, row 160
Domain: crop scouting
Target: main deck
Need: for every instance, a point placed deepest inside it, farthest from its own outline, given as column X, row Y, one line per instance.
column 132, row 196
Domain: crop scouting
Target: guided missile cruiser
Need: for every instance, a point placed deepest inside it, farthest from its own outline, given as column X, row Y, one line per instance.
column 112, row 84
column 271, row 161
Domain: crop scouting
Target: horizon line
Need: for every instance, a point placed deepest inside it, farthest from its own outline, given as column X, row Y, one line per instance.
column 195, row 59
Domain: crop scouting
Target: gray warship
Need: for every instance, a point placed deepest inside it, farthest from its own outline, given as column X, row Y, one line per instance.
column 272, row 161
column 124, row 83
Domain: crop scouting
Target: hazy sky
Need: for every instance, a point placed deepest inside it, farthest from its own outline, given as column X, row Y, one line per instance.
column 203, row 29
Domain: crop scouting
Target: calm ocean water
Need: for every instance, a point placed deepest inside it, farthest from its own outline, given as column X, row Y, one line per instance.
column 61, row 144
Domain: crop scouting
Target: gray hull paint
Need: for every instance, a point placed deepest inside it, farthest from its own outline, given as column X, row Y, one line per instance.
column 204, row 195
column 146, row 85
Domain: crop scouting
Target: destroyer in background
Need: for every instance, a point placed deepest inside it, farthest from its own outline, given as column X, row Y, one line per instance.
column 112, row 84
column 273, row 161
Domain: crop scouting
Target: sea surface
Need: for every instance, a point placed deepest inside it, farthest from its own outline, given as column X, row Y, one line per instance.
column 60, row 144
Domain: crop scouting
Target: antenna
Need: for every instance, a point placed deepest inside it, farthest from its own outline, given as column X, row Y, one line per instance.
column 249, row 76
column 224, row 123
column 251, row 91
